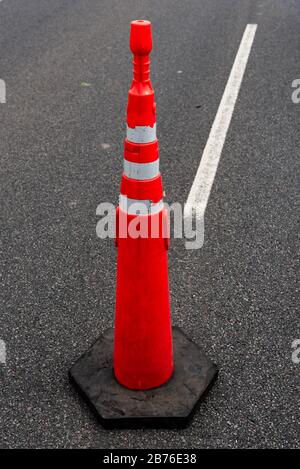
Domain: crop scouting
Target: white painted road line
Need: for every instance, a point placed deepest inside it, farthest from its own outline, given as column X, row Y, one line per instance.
column 200, row 190
column 2, row 352
column 2, row 92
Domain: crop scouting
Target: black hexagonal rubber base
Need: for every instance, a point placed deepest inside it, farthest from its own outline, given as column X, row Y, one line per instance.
column 171, row 405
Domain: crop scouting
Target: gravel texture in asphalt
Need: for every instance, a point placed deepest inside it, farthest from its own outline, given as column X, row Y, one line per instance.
column 67, row 68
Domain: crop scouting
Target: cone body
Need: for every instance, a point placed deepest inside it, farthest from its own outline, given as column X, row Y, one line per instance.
column 143, row 354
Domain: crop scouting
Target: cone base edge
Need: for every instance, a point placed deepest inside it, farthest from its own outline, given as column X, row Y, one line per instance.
column 172, row 405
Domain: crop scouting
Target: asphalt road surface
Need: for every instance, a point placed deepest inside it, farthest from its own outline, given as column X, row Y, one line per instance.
column 61, row 150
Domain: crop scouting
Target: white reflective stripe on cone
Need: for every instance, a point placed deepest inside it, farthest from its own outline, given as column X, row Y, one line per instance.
column 139, row 207
column 141, row 134
column 141, row 171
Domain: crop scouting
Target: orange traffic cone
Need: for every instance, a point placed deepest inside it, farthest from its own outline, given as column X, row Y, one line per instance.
column 143, row 354
column 126, row 367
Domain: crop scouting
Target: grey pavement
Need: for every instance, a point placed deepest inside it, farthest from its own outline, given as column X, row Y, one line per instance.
column 237, row 296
